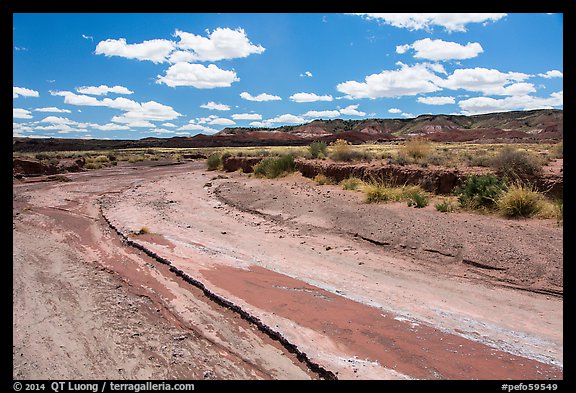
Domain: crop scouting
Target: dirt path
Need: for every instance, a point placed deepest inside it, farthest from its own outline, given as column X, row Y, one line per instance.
column 399, row 293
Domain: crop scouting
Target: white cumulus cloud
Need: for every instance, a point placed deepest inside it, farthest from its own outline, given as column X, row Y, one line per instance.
column 477, row 105
column 322, row 114
column 552, row 74
column 352, row 110
column 220, row 121
column 52, row 109
column 156, row 51
column 23, row 92
column 309, row 97
column 394, row 110
column 20, row 113
column 287, row 118
column 198, row 76
column 103, row 90
column 247, row 116
column 437, row 50
column 436, row 100
column 222, row 43
column 214, row 106
column 425, row 21
column 260, row 97
column 488, row 81
column 408, row 80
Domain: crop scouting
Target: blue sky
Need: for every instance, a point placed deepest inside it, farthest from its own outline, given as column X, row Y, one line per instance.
column 131, row 76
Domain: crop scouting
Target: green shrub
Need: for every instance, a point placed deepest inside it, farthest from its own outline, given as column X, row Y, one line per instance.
column 516, row 164
column 272, row 167
column 417, row 199
column 480, row 191
column 351, row 183
column 214, row 161
column 444, row 206
column 318, row 149
column 520, row 200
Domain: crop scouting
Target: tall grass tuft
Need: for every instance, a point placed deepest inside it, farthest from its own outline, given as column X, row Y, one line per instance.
column 520, row 200
column 273, row 167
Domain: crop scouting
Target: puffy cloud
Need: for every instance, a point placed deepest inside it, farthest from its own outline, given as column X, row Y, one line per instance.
column 198, row 127
column 169, row 125
column 77, row 99
column 416, row 21
column 287, row 118
column 488, row 81
column 132, row 122
column 260, row 97
column 265, row 124
column 408, row 80
column 19, row 113
column 436, row 100
column 351, row 110
column 309, row 97
column 148, row 111
column 111, row 127
column 57, row 120
column 52, row 109
column 198, row 76
column 156, row 51
column 103, row 90
column 478, row 105
column 307, row 74
column 181, row 56
column 407, row 115
column 441, row 50
column 394, row 110
column 222, row 43
column 220, row 121
column 247, row 116
column 23, row 92
column 322, row 114
column 552, row 74
column 214, row 106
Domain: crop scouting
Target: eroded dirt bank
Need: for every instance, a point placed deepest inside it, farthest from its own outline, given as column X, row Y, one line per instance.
column 365, row 291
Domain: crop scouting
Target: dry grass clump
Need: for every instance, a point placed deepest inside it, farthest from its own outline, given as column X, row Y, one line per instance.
column 377, row 192
column 322, row 179
column 417, row 148
column 352, row 183
column 516, row 164
column 342, row 150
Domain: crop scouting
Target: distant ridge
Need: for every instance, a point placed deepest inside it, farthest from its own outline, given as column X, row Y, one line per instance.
column 541, row 125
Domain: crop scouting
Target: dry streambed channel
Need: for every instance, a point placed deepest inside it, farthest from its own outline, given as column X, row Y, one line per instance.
column 177, row 272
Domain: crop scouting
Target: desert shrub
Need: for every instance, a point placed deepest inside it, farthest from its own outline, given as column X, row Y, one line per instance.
column 400, row 159
column 273, row 167
column 479, row 160
column 214, row 161
column 444, row 206
column 516, row 164
column 342, row 150
column 93, row 165
column 480, row 191
column 351, row 183
column 417, row 148
column 318, row 149
column 322, row 179
column 417, row 199
column 520, row 200
column 376, row 192
column 42, row 156
column 101, row 158
column 136, row 158
column 558, row 150
column 143, row 231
